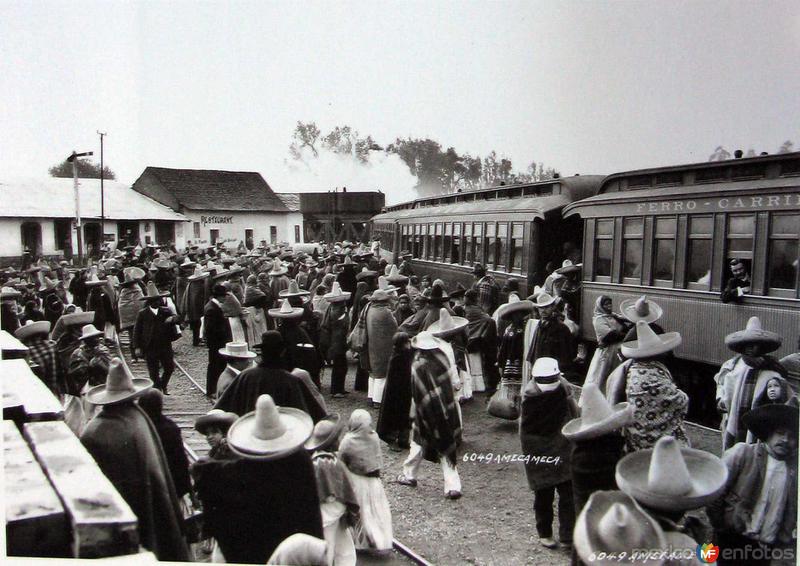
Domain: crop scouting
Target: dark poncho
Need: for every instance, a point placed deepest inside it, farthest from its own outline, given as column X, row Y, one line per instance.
column 125, row 445
column 251, row 506
column 172, row 442
column 394, row 415
column 594, row 462
column 541, row 418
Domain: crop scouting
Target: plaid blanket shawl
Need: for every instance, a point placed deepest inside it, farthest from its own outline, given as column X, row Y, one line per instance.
column 437, row 427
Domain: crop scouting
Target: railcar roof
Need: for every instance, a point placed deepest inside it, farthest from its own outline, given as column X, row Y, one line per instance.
column 755, row 187
column 535, row 206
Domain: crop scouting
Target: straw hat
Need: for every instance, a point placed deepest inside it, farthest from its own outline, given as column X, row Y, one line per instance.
column 640, row 309
column 394, row 276
column 765, row 419
column 215, row 417
column 610, row 524
column 649, row 344
column 277, row 268
column 93, row 280
column 447, row 325
column 187, row 262
column 76, row 318
column 162, row 264
column 131, row 275
column 459, row 292
column 199, row 273
column 270, row 432
column 514, row 304
column 151, row 292
column 9, row 293
column 425, row 341
column 32, row 328
column 365, row 273
column 237, row 350
column 544, row 299
column 337, row 295
column 120, row 386
column 47, row 285
column 294, row 290
column 379, row 296
column 568, row 267
column 325, row 432
column 89, row 331
column 286, row 311
column 668, row 477
column 383, row 285
column 597, row 416
column 754, row 334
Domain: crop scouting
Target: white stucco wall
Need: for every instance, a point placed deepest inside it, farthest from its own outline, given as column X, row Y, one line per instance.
column 232, row 225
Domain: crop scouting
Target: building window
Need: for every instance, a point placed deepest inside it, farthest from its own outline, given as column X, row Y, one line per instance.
column 491, row 249
column 469, row 246
column 477, row 236
column 698, row 252
column 603, row 248
column 664, row 249
column 296, row 233
column 196, row 230
column 456, row 258
column 273, row 234
column 632, row 233
column 517, row 235
column 501, row 244
column 783, row 253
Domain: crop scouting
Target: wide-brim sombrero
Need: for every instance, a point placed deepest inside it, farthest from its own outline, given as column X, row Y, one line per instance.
column 666, row 343
column 628, row 310
column 99, row 394
column 296, row 312
column 574, row 268
column 366, row 273
column 621, row 415
column 459, row 323
column 242, row 441
column 515, row 306
column 768, row 341
column 707, row 474
column 216, row 417
column 315, row 442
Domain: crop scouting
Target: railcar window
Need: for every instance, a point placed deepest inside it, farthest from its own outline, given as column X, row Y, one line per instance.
column 448, row 242
column 468, row 244
column 427, row 237
column 664, row 252
column 632, row 247
column 437, row 243
column 417, row 251
column 478, row 242
column 740, row 236
column 517, row 231
column 491, row 256
column 699, row 252
column 456, row 257
column 782, row 266
column 604, row 247
column 501, row 244
column 790, row 167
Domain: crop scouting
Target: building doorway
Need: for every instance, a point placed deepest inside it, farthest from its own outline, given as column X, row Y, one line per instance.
column 31, row 234
column 214, row 236
column 273, row 234
column 248, row 239
column 62, row 228
column 92, row 239
column 127, row 233
column 165, row 233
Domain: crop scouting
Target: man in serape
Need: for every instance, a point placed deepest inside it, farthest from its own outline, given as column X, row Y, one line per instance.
column 436, row 428
column 742, row 379
column 126, row 447
column 481, row 345
column 488, row 289
column 270, row 377
column 193, row 300
column 42, row 353
column 547, row 337
column 257, row 303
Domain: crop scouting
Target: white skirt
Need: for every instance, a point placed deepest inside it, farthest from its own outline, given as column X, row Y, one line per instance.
column 374, row 528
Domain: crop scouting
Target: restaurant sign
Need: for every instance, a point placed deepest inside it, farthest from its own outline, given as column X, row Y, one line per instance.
column 216, row 220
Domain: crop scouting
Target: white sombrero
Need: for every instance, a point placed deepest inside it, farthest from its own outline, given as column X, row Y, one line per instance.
column 32, row 328
column 544, row 299
column 336, row 295
column 294, row 290
column 277, row 268
column 514, row 304
column 568, row 267
column 754, row 334
column 640, row 309
column 597, row 416
column 383, row 285
column 394, row 276
column 447, row 325
column 120, row 386
column 286, row 311
column 668, row 477
column 269, row 432
column 425, row 341
column 648, row 343
column 237, row 350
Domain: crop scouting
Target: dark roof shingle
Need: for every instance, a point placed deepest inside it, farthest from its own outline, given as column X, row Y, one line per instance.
column 207, row 189
column 291, row 200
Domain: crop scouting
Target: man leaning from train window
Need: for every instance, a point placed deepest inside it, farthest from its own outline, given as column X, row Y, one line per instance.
column 739, row 284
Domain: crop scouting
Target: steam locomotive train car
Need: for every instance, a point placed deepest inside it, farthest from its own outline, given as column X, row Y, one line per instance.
column 671, row 232
column 513, row 230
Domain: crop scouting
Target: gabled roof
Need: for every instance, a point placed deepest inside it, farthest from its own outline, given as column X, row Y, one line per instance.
column 52, row 197
column 207, row 189
column 291, row 200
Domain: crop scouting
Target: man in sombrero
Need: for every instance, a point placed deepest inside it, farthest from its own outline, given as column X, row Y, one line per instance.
column 153, row 335
column 742, row 379
column 757, row 511
column 126, row 447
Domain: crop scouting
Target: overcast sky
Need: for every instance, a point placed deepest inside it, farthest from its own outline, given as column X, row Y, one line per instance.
column 589, row 87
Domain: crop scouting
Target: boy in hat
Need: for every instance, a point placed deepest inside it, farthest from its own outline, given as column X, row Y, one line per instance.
column 547, row 405
column 214, row 426
column 126, row 447
column 238, row 358
column 742, row 379
column 757, row 510
column 217, row 333
column 152, row 337
column 333, row 338
column 88, row 364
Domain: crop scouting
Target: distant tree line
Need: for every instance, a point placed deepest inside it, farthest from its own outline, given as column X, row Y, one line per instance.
column 437, row 170
column 87, row 169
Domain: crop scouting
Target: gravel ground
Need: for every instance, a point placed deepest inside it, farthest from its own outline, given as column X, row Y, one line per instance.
column 492, row 524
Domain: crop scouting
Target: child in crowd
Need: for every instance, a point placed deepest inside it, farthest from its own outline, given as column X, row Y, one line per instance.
column 214, row 426
column 361, row 453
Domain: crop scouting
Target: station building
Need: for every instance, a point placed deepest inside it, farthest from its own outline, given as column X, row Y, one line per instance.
column 226, row 206
column 38, row 215
column 335, row 216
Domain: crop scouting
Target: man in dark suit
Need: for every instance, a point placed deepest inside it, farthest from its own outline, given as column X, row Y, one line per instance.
column 739, row 284
column 217, row 333
column 153, row 333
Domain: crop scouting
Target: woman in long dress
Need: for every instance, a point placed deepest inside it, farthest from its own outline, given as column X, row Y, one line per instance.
column 361, row 452
column 610, row 331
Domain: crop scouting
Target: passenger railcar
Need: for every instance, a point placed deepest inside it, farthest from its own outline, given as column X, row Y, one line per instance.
column 513, row 230
column 670, row 232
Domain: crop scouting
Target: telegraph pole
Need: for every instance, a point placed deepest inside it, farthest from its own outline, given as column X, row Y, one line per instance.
column 102, row 200
column 74, row 160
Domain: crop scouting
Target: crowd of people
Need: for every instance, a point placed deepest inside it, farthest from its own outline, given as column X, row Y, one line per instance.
column 271, row 319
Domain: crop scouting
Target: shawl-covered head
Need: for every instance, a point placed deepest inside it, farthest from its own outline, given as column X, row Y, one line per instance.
column 598, row 308
column 361, row 448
